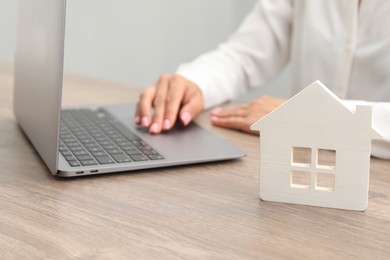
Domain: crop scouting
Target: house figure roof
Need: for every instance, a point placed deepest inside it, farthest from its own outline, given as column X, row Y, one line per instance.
column 317, row 102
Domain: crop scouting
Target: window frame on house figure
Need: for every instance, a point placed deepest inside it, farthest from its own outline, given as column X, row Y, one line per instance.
column 310, row 171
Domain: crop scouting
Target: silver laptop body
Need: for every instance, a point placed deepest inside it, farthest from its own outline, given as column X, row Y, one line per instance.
column 37, row 103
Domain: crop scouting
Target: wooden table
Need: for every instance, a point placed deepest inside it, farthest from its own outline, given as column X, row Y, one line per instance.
column 209, row 211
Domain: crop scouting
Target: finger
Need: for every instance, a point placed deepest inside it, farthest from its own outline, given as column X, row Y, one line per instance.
column 144, row 106
column 239, row 111
column 176, row 88
column 192, row 104
column 238, row 123
column 137, row 117
column 159, row 104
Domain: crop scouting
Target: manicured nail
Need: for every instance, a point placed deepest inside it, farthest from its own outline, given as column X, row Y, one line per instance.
column 216, row 111
column 145, row 121
column 186, row 118
column 155, row 128
column 137, row 120
column 167, row 124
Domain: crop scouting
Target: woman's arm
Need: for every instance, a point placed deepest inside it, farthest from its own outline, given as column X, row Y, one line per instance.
column 254, row 54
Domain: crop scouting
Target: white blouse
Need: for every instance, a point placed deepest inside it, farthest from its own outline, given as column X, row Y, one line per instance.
column 342, row 44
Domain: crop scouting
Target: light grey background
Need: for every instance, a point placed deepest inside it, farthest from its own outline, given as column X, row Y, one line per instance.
column 135, row 41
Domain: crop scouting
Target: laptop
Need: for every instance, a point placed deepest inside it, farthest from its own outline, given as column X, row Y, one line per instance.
column 92, row 139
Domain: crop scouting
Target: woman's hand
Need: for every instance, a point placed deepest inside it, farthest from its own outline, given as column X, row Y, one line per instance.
column 172, row 97
column 243, row 116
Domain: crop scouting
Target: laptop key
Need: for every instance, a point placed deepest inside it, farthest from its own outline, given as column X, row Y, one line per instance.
column 70, row 158
column 76, row 148
column 72, row 144
column 124, row 144
column 109, row 147
column 139, row 158
column 133, row 152
column 84, row 157
column 66, row 153
column 150, row 152
column 104, row 160
column 121, row 158
column 155, row 157
column 81, row 152
column 94, row 149
column 88, row 162
column 74, row 163
column 90, row 145
column 68, row 140
column 104, row 142
column 100, row 153
column 87, row 141
column 119, row 139
column 114, row 151
column 128, row 148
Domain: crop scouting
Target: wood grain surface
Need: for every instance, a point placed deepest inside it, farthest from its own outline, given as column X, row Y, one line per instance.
column 207, row 211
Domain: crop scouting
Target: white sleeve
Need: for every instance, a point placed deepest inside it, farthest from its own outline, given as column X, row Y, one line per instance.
column 254, row 54
column 381, row 123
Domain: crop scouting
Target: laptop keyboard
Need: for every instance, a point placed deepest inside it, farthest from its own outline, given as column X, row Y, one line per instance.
column 92, row 137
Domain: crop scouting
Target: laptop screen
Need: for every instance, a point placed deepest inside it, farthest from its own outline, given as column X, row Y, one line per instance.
column 38, row 74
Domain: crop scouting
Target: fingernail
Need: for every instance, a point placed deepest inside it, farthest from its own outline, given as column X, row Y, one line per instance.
column 216, row 111
column 137, row 120
column 154, row 129
column 214, row 118
column 167, row 124
column 186, row 118
column 145, row 121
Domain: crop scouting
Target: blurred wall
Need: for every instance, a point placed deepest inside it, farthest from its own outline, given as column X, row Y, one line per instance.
column 7, row 30
column 134, row 41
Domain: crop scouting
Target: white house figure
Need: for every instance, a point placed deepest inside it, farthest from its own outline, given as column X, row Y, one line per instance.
column 316, row 151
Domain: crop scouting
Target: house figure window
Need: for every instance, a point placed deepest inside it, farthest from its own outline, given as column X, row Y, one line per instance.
column 313, row 168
